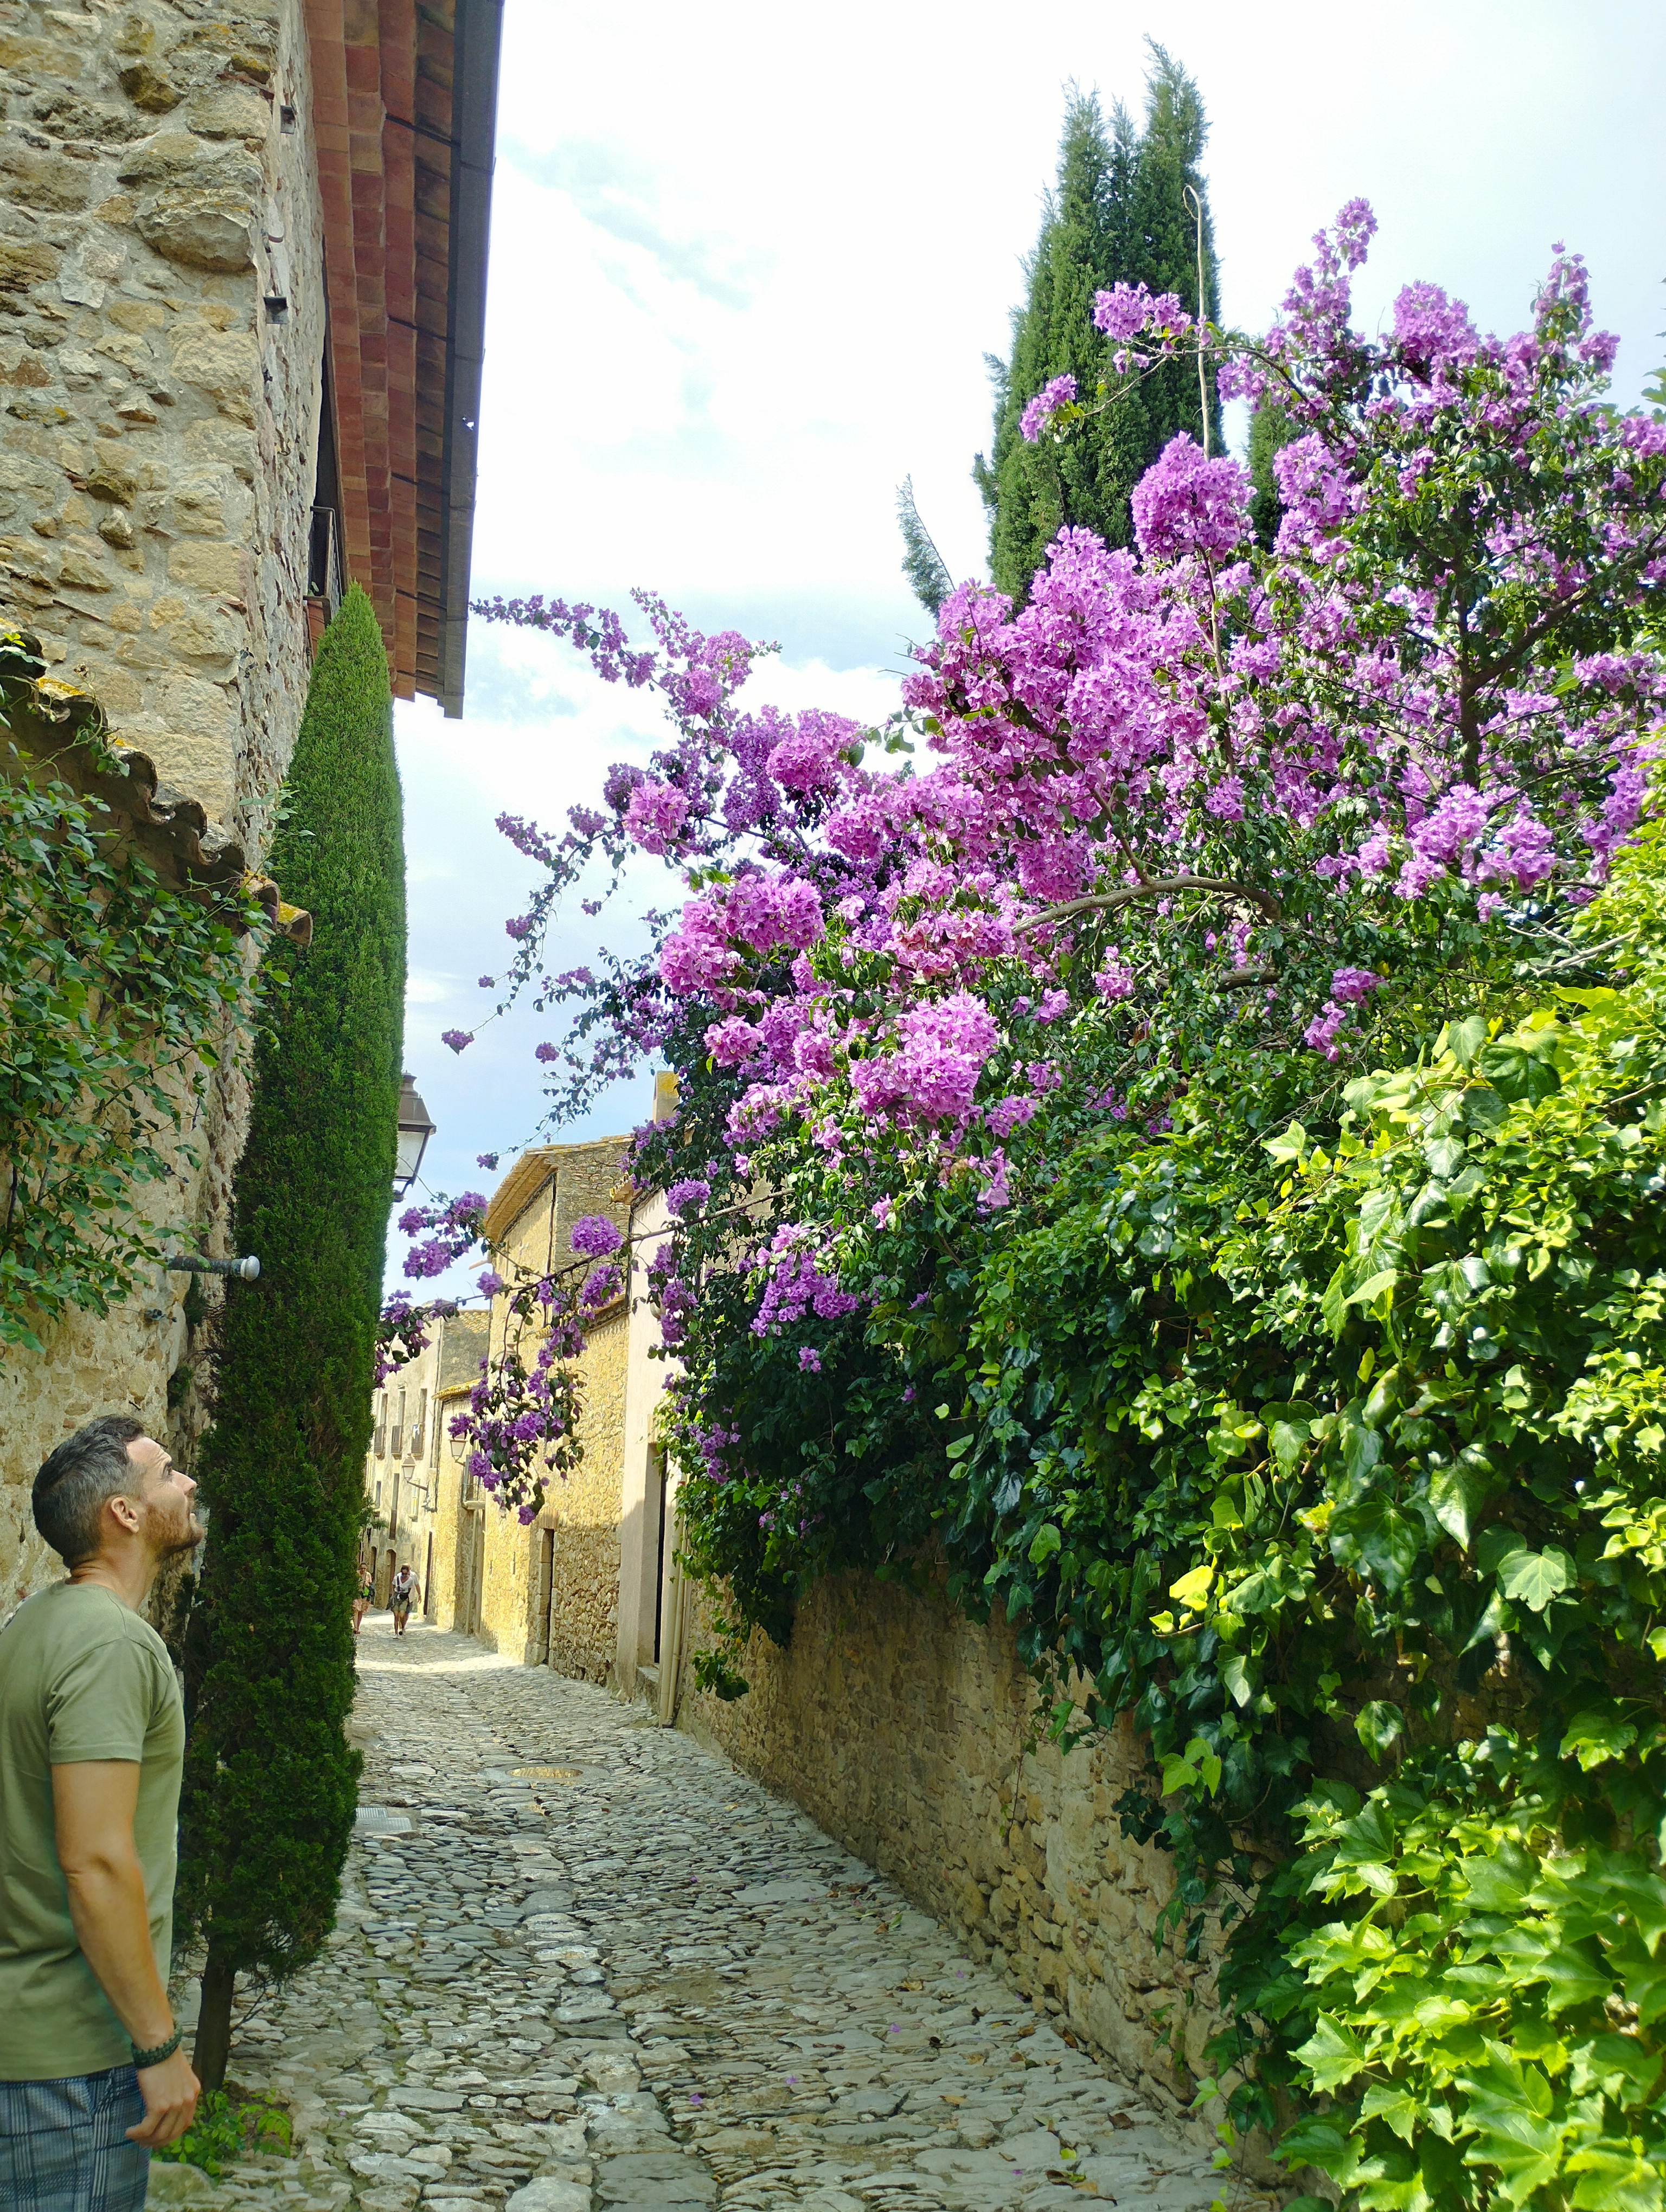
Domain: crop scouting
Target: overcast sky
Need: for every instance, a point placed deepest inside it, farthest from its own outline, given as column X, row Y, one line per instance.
column 745, row 264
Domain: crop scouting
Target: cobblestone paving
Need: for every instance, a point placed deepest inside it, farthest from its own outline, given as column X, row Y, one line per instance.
column 582, row 1965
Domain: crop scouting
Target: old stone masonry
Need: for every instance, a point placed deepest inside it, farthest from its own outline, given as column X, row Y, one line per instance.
column 583, row 1963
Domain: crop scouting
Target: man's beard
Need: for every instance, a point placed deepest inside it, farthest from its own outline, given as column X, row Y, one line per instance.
column 171, row 1540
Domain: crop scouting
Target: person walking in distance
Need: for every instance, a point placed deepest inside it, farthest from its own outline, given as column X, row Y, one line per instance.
column 400, row 1591
column 92, row 1741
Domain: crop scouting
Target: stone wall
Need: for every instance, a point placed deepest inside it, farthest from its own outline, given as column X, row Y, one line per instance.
column 902, row 1727
column 583, row 1512
column 158, row 444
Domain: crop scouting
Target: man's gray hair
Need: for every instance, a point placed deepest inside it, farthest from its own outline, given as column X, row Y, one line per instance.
column 76, row 1478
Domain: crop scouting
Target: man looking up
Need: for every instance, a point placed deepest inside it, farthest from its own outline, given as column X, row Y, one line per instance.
column 92, row 1741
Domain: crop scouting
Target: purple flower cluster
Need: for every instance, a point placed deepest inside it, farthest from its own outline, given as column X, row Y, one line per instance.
column 1059, row 392
column 794, row 1286
column 1186, row 505
column 594, row 1237
column 457, row 1224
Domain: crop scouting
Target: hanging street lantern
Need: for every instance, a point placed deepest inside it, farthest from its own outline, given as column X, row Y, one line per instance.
column 415, row 1130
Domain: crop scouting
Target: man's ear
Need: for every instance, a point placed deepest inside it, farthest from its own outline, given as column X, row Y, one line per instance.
column 125, row 1512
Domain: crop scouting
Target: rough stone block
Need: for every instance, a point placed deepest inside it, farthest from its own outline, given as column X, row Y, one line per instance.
column 226, row 364
column 26, row 263
column 549, row 2193
column 230, row 111
column 211, row 567
column 51, row 182
column 199, row 229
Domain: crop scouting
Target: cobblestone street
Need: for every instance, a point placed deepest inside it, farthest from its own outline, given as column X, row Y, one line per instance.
column 581, row 1964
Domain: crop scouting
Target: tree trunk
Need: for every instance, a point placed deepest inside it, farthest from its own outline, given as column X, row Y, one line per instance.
column 214, row 2022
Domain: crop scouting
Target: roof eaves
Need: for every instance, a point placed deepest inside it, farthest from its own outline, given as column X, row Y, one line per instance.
column 477, row 44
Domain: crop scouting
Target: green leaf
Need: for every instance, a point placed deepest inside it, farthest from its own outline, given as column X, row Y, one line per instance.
column 1572, row 1980
column 1193, row 1589
column 1393, row 2104
column 1457, row 1491
column 1496, row 1546
column 1521, row 1073
column 1376, row 1539
column 1373, row 1287
column 1498, row 1881
column 1379, row 1725
column 1333, row 1303
column 1332, row 2054
column 1313, row 2140
column 1288, row 1147
column 1616, row 2180
column 1465, row 1039
column 1597, row 1736
column 1047, row 1541
column 1533, row 1578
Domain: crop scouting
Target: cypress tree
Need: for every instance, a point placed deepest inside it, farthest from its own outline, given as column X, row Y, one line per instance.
column 1117, row 214
column 926, row 570
column 270, row 1776
column 1270, row 427
column 1168, row 196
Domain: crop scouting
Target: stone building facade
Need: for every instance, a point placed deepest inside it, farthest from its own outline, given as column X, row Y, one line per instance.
column 548, row 1591
column 451, row 1368
column 242, row 259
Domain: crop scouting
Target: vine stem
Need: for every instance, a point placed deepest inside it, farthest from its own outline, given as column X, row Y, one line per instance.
column 1196, row 206
column 1154, row 887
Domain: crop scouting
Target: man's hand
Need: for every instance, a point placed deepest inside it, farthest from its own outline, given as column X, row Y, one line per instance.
column 170, row 2093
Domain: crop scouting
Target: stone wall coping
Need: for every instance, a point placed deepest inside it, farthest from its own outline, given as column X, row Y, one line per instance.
column 56, row 726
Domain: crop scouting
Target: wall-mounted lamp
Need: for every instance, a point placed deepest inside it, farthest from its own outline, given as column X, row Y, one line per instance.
column 415, row 1130
column 188, row 1263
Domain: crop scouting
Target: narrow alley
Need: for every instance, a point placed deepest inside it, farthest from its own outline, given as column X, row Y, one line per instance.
column 583, row 1963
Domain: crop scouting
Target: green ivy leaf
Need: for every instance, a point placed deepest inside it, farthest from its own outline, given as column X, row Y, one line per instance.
column 1373, row 1287
column 1393, row 2104
column 1457, row 1492
column 1533, row 1578
column 1597, row 1736
column 1332, row 2054
column 1520, row 1072
column 1376, row 1539
column 1379, row 1726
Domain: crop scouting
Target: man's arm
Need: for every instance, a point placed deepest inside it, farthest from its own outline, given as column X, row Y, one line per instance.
column 93, row 1806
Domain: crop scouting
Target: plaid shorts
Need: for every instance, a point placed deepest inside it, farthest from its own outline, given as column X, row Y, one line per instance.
column 64, row 2144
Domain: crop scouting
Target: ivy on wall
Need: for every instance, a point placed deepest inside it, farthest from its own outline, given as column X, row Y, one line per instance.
column 118, row 990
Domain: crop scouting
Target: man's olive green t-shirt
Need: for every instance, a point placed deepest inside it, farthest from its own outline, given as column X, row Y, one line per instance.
column 81, row 1677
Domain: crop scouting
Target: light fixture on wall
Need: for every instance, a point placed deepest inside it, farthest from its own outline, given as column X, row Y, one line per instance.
column 415, row 1130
